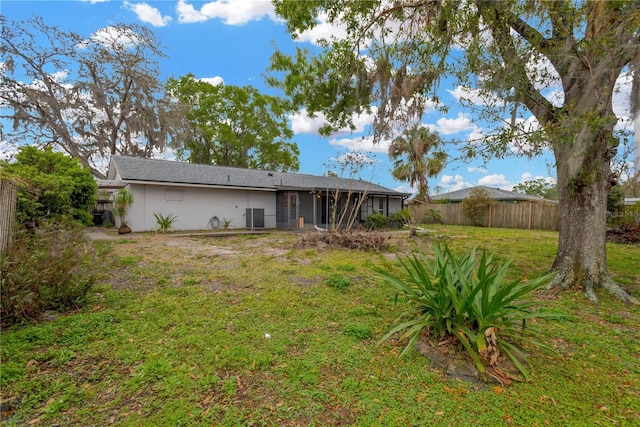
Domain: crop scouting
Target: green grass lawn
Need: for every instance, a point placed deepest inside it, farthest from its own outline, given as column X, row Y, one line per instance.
column 176, row 335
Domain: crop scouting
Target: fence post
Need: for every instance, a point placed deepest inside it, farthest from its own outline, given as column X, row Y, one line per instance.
column 7, row 213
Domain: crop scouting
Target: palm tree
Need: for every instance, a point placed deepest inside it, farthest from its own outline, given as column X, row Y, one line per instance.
column 416, row 157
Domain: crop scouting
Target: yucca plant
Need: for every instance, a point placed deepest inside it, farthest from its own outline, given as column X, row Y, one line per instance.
column 123, row 200
column 165, row 222
column 226, row 223
column 467, row 298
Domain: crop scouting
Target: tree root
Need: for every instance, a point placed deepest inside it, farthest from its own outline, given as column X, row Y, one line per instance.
column 614, row 289
column 566, row 279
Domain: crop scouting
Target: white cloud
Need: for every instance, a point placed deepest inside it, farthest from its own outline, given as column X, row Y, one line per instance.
column 555, row 96
column 522, row 145
column 301, row 122
column 109, row 36
column 622, row 102
column 457, row 125
column 214, row 81
column 355, row 159
column 448, row 179
column 232, row 12
column 361, row 143
column 495, row 180
column 476, row 136
column 7, row 150
column 476, row 169
column 527, row 176
column 452, row 183
column 187, row 14
column 405, row 189
column 148, row 14
column 361, row 121
column 543, row 74
column 474, row 96
column 324, row 30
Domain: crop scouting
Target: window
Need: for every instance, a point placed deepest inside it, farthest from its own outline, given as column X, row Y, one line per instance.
column 381, row 205
column 174, row 195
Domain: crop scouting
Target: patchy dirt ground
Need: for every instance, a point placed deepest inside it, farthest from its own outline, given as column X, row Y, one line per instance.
column 222, row 244
column 278, row 244
column 207, row 259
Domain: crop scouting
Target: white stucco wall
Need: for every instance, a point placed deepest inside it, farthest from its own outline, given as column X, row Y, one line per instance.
column 195, row 206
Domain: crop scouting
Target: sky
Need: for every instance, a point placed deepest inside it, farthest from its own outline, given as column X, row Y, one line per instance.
column 231, row 41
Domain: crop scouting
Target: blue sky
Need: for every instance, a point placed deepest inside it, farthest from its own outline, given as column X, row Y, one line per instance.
column 232, row 41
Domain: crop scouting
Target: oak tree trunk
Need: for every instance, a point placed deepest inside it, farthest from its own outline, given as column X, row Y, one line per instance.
column 584, row 181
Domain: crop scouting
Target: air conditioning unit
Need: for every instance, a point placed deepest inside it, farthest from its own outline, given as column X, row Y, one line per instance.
column 255, row 217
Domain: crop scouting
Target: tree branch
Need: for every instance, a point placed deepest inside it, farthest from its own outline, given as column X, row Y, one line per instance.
column 386, row 12
column 499, row 22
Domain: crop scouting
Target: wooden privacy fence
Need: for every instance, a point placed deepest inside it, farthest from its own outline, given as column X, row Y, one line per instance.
column 7, row 213
column 531, row 216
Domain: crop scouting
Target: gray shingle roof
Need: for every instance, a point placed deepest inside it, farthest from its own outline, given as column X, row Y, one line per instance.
column 166, row 171
column 494, row 193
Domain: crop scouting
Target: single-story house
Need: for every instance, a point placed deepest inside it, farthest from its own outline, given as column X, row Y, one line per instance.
column 494, row 193
column 204, row 196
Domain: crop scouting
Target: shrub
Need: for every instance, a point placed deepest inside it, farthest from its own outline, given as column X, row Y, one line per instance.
column 432, row 217
column 445, row 201
column 615, row 201
column 402, row 217
column 52, row 268
column 476, row 204
column 627, row 215
column 375, row 221
column 51, row 186
column 467, row 299
column 165, row 222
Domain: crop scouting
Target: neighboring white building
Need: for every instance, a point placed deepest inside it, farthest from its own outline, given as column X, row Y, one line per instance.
column 203, row 196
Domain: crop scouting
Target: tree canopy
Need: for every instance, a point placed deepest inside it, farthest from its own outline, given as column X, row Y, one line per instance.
column 538, row 187
column 557, row 61
column 92, row 96
column 234, row 126
column 51, row 186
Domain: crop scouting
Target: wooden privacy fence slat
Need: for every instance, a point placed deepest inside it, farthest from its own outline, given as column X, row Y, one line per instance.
column 532, row 216
column 7, row 213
